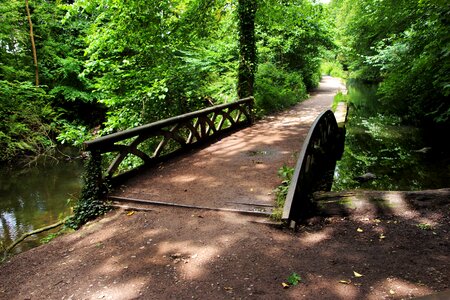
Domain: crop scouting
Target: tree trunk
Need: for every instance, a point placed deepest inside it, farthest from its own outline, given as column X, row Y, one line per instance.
column 33, row 46
column 247, row 47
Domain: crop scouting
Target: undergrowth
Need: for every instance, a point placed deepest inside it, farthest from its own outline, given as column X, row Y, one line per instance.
column 281, row 191
column 91, row 203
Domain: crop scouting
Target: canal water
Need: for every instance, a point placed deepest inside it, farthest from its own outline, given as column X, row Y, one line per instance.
column 388, row 154
column 34, row 197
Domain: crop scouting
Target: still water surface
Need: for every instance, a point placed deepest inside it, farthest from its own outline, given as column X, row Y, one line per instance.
column 402, row 157
column 35, row 197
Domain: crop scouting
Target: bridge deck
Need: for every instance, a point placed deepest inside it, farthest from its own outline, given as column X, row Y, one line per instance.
column 239, row 171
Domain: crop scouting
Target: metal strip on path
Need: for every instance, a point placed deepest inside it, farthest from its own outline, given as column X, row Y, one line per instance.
column 163, row 203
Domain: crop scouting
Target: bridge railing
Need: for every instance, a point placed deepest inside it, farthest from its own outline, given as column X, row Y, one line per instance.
column 315, row 166
column 152, row 143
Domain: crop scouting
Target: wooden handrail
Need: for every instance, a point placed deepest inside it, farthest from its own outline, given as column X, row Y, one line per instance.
column 152, row 127
column 174, row 134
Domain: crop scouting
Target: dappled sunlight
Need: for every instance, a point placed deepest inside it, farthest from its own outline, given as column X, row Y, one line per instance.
column 425, row 222
column 311, row 239
column 345, row 291
column 112, row 266
column 239, row 168
column 397, row 204
column 398, row 288
column 307, row 119
column 172, row 252
column 129, row 290
column 183, row 178
column 191, row 264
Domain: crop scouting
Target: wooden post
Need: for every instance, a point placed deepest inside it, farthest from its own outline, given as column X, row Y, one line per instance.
column 33, row 46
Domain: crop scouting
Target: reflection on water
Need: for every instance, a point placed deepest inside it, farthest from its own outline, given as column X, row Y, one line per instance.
column 35, row 197
column 398, row 156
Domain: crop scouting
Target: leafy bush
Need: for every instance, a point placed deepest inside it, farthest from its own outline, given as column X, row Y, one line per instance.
column 405, row 46
column 281, row 191
column 276, row 88
column 333, row 68
column 28, row 121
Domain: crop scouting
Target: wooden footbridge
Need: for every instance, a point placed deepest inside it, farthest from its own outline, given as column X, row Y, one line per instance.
column 219, row 158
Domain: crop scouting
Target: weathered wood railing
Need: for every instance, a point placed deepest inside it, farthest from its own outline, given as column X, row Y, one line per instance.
column 160, row 140
column 315, row 166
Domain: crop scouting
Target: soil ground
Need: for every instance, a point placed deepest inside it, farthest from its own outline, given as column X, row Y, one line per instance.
column 180, row 253
column 238, row 171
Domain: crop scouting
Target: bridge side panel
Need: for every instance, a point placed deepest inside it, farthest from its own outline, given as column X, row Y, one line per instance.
column 314, row 168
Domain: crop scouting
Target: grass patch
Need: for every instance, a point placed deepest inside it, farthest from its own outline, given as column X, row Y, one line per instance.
column 340, row 97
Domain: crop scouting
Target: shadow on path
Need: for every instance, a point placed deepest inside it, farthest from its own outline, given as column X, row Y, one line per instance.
column 240, row 170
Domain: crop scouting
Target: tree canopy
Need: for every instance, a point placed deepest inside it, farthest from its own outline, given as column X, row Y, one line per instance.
column 405, row 45
column 106, row 65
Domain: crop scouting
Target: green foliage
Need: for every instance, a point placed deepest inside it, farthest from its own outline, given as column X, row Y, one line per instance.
column 91, row 203
column 405, row 45
column 277, row 88
column 281, row 191
column 27, row 120
column 108, row 65
column 47, row 239
column 15, row 51
column 425, row 226
column 332, row 67
column 292, row 35
column 34, row 115
column 73, row 134
column 340, row 97
column 294, row 279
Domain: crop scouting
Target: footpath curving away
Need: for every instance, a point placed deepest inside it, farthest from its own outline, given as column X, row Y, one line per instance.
column 239, row 171
column 178, row 253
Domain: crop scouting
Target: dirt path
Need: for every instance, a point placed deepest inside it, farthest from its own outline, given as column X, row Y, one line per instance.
column 178, row 253
column 239, row 171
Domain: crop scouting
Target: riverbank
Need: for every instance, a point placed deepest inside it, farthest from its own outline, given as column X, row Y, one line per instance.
column 177, row 253
column 170, row 253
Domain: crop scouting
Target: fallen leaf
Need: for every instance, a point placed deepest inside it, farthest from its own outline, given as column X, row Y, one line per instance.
column 392, row 292
column 345, row 281
column 359, row 230
column 130, row 213
column 285, row 285
column 227, row 288
column 357, row 274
